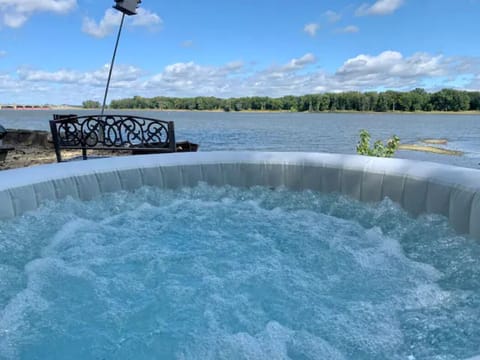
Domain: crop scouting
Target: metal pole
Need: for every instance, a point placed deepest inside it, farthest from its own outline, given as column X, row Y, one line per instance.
column 111, row 65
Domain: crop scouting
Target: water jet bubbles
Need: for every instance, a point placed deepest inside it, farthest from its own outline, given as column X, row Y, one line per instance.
column 224, row 272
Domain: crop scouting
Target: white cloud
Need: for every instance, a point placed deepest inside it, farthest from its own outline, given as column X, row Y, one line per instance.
column 392, row 63
column 288, row 69
column 296, row 64
column 146, row 18
column 391, row 70
column 381, row 7
column 364, row 72
column 107, row 25
column 14, row 20
column 332, row 16
column 234, row 66
column 232, row 79
column 3, row 53
column 60, row 76
column 16, row 12
column 97, row 77
column 123, row 76
column 67, row 86
column 351, row 29
column 311, row 29
column 112, row 18
column 187, row 43
column 7, row 84
column 193, row 79
column 31, row 6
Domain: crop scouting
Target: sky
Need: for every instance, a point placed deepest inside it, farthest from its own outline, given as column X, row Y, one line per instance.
column 59, row 51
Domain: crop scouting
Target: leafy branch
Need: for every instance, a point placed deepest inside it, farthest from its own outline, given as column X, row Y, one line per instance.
column 379, row 148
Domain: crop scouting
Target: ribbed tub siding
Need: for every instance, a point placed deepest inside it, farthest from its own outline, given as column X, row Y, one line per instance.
column 418, row 187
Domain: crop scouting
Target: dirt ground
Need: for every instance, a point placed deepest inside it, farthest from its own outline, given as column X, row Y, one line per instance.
column 27, row 156
column 35, row 148
column 31, row 148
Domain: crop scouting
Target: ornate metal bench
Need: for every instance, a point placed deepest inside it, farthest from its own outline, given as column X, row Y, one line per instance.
column 137, row 134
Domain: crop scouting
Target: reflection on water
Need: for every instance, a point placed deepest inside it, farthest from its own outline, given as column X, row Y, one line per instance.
column 469, row 147
column 336, row 133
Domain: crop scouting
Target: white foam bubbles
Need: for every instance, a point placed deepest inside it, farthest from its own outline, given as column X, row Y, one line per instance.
column 275, row 342
column 209, row 272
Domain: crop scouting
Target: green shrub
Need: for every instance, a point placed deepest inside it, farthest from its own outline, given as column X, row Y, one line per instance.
column 379, row 148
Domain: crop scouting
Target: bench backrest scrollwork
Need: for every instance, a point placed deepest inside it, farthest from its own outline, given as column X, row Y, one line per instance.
column 111, row 132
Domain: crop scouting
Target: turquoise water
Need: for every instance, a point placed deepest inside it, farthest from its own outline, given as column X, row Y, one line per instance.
column 228, row 273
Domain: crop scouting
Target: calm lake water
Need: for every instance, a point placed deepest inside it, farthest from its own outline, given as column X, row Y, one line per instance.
column 333, row 133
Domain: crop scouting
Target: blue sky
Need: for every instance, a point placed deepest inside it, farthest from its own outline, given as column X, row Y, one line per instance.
column 59, row 51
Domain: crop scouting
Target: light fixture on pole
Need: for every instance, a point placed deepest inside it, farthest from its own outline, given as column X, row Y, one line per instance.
column 127, row 7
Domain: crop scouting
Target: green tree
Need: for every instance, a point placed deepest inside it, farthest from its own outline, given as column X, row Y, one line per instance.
column 474, row 100
column 382, row 104
column 450, row 100
column 91, row 104
column 418, row 99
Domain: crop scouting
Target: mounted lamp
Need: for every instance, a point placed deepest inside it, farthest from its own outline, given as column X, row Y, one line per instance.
column 128, row 7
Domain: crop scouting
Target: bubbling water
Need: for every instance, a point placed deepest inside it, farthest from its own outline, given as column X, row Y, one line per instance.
column 222, row 272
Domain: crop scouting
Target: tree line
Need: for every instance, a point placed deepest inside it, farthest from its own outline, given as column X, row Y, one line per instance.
column 415, row 100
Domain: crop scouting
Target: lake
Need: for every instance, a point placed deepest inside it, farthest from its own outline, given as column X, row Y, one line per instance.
column 322, row 132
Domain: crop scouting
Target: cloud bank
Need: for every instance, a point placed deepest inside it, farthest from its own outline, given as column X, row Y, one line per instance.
column 386, row 70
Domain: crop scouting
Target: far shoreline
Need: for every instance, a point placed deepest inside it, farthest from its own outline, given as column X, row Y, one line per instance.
column 473, row 112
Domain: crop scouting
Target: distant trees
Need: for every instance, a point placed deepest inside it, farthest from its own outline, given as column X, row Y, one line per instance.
column 415, row 100
column 451, row 100
column 90, row 104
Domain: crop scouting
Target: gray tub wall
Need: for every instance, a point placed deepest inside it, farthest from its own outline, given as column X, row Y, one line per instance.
column 418, row 187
